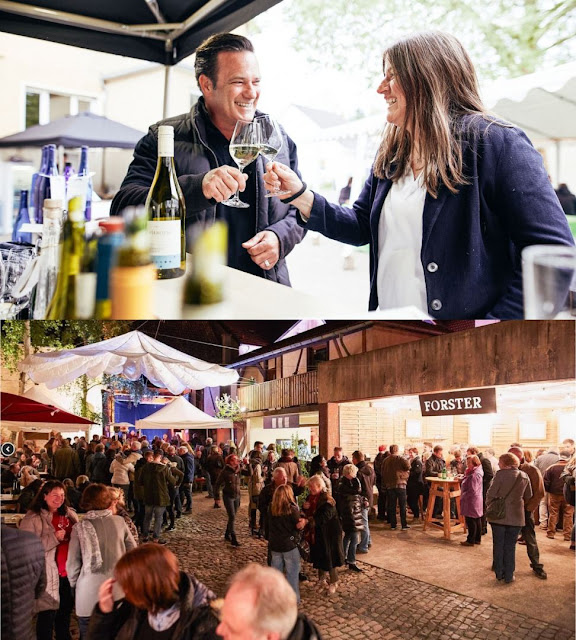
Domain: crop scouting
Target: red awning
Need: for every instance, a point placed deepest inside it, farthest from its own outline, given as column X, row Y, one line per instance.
column 20, row 409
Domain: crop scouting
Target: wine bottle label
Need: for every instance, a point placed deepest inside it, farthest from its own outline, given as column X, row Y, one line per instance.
column 85, row 295
column 165, row 243
column 165, row 141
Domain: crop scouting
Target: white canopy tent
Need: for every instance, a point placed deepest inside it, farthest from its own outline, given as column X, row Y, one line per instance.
column 180, row 414
column 133, row 354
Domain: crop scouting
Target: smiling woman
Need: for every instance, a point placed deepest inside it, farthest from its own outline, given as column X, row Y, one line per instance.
column 454, row 195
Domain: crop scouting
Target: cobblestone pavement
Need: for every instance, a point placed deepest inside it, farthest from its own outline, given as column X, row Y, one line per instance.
column 377, row 602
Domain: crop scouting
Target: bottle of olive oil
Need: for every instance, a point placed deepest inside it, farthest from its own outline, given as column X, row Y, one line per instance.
column 63, row 303
column 166, row 212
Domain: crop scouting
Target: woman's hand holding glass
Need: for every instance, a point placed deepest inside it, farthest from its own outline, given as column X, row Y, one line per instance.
column 279, row 177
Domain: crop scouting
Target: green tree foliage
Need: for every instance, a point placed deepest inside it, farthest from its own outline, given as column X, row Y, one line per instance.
column 56, row 335
column 504, row 37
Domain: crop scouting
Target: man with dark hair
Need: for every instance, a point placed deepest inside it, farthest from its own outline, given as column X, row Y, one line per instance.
column 395, row 472
column 557, row 504
column 378, row 460
column 336, row 465
column 229, row 78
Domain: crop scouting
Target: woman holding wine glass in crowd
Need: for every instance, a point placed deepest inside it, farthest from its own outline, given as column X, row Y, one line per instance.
column 51, row 520
column 453, row 197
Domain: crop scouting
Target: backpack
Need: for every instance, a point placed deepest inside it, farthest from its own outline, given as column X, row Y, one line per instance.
column 496, row 510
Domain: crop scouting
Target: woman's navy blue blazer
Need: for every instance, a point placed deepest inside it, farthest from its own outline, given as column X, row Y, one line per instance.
column 471, row 241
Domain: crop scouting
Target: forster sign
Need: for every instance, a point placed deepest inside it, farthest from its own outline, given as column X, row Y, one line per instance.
column 456, row 403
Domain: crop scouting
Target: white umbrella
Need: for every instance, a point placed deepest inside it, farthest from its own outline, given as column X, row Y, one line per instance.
column 133, row 355
column 180, row 414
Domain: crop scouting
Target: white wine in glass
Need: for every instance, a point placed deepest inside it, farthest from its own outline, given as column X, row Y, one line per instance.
column 270, row 144
column 244, row 149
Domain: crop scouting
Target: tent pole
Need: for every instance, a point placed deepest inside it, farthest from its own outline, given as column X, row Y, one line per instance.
column 167, row 78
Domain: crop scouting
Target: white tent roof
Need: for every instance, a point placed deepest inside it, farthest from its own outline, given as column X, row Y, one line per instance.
column 41, row 394
column 132, row 355
column 543, row 104
column 180, row 414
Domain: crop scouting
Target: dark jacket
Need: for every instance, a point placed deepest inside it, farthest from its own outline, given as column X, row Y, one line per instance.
column 553, row 483
column 433, row 467
column 488, row 473
column 350, row 502
column 193, row 159
column 98, row 468
column 471, row 240
column 65, row 463
column 367, row 478
column 392, row 467
column 23, row 580
column 197, row 619
column 229, row 481
column 326, row 551
column 189, row 467
column 415, row 484
column 567, row 200
column 335, row 469
column 265, row 500
column 304, row 629
column 138, row 488
column 214, row 465
column 282, row 532
column 155, row 478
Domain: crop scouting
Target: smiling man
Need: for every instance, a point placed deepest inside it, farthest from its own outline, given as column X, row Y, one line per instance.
column 260, row 236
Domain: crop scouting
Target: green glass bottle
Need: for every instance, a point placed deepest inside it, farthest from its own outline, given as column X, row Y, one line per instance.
column 166, row 212
column 63, row 304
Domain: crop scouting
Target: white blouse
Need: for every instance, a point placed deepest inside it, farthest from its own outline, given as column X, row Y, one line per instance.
column 400, row 277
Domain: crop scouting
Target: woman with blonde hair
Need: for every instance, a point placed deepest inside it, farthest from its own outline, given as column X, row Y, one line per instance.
column 284, row 523
column 324, row 534
column 159, row 600
column 350, row 504
column 118, row 508
column 453, row 197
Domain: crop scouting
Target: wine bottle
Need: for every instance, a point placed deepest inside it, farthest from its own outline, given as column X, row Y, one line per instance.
column 83, row 171
column 85, row 281
column 35, row 176
column 205, row 283
column 49, row 257
column 109, row 243
column 63, row 303
column 45, row 184
column 166, row 212
column 23, row 217
column 132, row 279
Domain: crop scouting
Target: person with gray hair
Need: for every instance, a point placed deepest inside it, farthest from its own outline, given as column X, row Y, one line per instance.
column 261, row 604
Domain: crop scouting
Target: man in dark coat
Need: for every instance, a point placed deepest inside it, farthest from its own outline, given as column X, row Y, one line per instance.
column 98, row 466
column 186, row 487
column 261, row 603
column 155, row 478
column 23, row 580
column 264, row 234
column 335, row 465
column 395, row 471
column 378, row 460
column 367, row 478
column 65, row 462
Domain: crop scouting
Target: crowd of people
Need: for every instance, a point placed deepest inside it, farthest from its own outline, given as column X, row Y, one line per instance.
column 315, row 512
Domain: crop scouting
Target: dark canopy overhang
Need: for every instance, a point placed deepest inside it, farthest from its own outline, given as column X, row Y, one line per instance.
column 164, row 31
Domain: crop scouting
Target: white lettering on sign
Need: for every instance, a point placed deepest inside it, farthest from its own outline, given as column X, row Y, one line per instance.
column 483, row 401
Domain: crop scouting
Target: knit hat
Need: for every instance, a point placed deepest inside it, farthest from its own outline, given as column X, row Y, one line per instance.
column 382, row 447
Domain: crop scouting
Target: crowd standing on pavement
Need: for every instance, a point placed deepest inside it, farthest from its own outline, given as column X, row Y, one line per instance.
column 102, row 567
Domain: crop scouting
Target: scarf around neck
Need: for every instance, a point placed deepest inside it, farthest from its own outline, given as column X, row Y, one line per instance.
column 89, row 543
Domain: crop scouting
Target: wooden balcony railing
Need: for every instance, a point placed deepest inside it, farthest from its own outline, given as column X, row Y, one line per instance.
column 301, row 389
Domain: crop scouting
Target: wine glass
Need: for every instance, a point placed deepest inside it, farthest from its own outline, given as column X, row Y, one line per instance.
column 244, row 149
column 270, row 145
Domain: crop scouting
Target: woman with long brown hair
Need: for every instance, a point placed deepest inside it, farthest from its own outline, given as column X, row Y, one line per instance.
column 159, row 600
column 284, row 523
column 453, row 197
